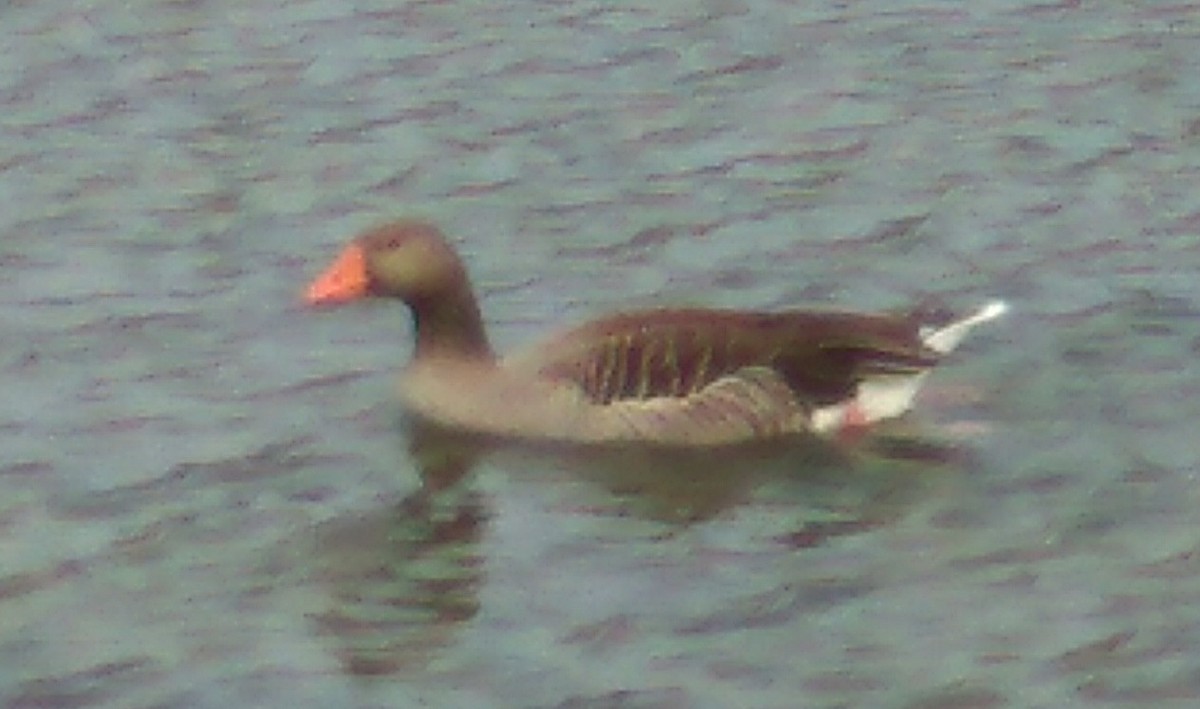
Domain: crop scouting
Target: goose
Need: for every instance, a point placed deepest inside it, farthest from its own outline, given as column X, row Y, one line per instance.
column 671, row 376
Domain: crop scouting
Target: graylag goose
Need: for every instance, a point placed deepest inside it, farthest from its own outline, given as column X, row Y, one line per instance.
column 668, row 376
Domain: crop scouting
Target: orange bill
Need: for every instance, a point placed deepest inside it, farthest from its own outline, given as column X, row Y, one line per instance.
column 345, row 279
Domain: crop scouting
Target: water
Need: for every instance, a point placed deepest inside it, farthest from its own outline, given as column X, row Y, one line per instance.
column 208, row 497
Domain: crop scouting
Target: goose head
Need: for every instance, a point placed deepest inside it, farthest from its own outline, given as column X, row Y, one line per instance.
column 410, row 261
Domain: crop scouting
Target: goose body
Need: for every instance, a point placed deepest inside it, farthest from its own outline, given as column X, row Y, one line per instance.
column 668, row 376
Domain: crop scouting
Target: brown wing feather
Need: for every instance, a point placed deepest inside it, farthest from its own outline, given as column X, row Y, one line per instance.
column 752, row 403
column 674, row 353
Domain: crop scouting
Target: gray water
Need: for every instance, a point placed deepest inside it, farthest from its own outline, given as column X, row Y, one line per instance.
column 209, row 498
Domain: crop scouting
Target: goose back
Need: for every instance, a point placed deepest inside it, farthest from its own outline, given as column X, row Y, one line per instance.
column 822, row 356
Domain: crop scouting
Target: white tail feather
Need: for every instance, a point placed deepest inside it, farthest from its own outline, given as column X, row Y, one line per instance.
column 945, row 339
column 888, row 396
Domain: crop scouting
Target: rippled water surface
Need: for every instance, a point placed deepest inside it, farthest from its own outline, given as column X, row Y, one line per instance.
column 208, row 497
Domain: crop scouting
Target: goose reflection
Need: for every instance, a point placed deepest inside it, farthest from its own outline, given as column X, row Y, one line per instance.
column 404, row 581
